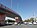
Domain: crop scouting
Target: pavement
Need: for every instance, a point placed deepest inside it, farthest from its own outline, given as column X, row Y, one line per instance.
column 19, row 26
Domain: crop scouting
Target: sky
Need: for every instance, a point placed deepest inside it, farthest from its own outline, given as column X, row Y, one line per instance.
column 25, row 8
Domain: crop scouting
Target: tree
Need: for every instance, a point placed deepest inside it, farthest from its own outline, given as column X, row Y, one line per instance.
column 32, row 19
column 25, row 20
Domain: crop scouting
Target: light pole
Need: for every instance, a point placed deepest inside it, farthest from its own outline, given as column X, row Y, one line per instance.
column 34, row 14
column 11, row 4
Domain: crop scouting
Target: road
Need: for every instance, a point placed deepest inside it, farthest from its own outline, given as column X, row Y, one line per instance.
column 20, row 26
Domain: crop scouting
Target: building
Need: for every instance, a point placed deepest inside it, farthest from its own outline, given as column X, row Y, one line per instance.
column 7, row 12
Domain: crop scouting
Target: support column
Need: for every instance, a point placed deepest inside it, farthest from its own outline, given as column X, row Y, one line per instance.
column 2, row 18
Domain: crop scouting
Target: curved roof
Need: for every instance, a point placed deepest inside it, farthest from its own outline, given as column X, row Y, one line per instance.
column 6, row 8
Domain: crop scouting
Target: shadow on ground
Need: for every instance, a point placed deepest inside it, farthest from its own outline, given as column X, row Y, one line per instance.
column 4, row 25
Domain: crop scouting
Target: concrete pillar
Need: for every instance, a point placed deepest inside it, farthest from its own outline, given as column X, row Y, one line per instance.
column 2, row 18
